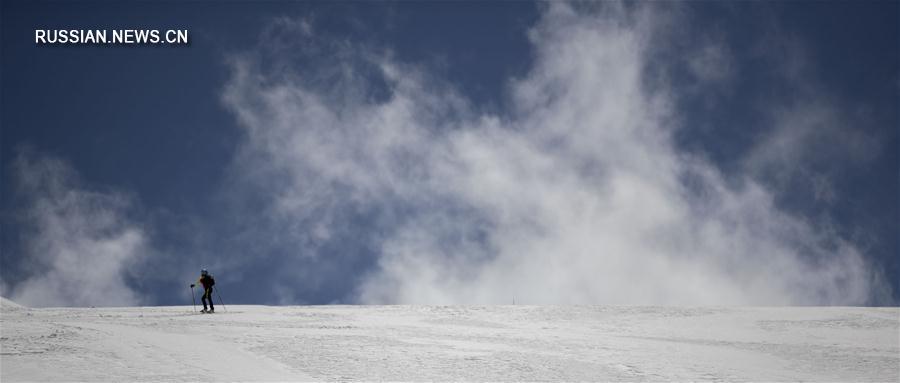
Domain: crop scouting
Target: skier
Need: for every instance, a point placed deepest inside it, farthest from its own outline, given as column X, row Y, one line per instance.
column 208, row 282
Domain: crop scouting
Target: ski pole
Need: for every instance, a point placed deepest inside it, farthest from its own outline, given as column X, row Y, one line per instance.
column 193, row 299
column 220, row 299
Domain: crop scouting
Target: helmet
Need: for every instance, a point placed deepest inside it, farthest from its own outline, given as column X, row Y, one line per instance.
column 203, row 272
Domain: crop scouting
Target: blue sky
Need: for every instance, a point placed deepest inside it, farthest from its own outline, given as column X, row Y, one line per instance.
column 310, row 153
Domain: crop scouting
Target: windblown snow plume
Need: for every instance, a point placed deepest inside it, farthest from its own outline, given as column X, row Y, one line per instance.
column 575, row 193
column 80, row 242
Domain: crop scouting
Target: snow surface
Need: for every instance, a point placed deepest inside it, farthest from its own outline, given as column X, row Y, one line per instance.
column 8, row 304
column 534, row 343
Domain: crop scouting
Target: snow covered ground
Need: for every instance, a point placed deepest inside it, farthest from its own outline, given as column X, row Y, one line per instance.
column 261, row 343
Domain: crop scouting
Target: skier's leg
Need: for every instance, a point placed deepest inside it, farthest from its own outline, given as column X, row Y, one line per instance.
column 203, row 298
column 208, row 295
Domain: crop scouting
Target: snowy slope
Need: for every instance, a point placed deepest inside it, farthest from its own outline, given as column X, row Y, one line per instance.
column 9, row 305
column 450, row 343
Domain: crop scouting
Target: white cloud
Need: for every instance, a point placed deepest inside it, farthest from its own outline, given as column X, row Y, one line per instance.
column 575, row 195
column 80, row 243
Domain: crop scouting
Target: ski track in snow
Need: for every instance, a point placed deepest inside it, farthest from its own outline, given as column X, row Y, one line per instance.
column 494, row 343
